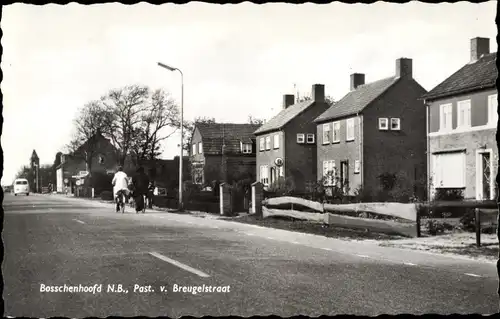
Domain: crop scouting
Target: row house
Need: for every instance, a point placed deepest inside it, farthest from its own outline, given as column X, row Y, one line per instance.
column 287, row 142
column 222, row 151
column 462, row 121
column 377, row 128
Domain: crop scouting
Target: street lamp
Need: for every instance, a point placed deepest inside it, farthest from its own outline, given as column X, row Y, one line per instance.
column 172, row 69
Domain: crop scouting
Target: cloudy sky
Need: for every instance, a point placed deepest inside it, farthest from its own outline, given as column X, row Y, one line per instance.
column 237, row 59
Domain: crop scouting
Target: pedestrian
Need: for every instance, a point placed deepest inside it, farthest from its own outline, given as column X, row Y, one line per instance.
column 150, row 196
column 140, row 183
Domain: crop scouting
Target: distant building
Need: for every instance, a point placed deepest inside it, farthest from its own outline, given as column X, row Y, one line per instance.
column 34, row 167
column 222, row 152
column 463, row 118
column 375, row 130
column 290, row 137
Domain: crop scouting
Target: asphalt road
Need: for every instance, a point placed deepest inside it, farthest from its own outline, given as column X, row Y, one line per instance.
column 51, row 240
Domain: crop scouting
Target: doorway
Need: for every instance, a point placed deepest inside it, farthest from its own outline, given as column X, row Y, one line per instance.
column 484, row 181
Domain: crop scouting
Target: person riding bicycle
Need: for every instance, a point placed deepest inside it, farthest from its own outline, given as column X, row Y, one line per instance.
column 120, row 185
column 151, row 189
column 140, row 183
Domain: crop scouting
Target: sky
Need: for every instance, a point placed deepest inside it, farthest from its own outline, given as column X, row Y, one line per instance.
column 237, row 60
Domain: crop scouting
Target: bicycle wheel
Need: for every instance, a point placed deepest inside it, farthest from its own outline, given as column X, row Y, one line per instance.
column 122, row 208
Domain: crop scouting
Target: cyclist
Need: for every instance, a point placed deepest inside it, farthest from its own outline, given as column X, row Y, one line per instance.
column 140, row 184
column 120, row 185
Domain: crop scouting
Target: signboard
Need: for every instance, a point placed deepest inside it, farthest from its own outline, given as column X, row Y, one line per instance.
column 83, row 173
column 278, row 161
column 66, row 181
column 78, row 182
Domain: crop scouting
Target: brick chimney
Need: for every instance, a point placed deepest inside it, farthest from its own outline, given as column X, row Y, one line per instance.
column 288, row 99
column 404, row 68
column 357, row 79
column 318, row 93
column 478, row 47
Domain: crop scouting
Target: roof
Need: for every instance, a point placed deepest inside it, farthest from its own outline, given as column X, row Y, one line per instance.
column 34, row 155
column 356, row 100
column 285, row 116
column 214, row 135
column 478, row 75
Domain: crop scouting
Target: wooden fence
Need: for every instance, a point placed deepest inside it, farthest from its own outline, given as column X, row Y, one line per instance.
column 406, row 219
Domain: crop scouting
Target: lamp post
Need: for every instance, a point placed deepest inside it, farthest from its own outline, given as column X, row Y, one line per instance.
column 181, row 159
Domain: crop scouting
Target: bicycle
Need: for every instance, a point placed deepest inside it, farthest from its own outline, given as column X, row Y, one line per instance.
column 121, row 201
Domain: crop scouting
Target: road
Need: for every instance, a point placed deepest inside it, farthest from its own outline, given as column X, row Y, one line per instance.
column 52, row 240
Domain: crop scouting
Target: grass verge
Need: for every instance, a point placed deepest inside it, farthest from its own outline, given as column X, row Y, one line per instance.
column 312, row 228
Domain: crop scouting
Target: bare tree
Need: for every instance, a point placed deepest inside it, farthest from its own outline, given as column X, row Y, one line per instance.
column 91, row 120
column 328, row 99
column 124, row 107
column 253, row 120
column 160, row 113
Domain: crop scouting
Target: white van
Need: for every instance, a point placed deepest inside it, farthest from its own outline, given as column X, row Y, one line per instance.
column 21, row 186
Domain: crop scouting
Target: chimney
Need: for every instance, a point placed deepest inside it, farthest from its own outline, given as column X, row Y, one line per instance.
column 357, row 79
column 478, row 47
column 318, row 93
column 288, row 99
column 404, row 68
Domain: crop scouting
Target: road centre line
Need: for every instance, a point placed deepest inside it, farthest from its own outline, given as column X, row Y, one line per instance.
column 472, row 275
column 79, row 221
column 179, row 264
column 364, row 256
column 410, row 264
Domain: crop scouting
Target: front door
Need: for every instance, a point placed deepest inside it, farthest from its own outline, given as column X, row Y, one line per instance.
column 484, row 180
column 344, row 175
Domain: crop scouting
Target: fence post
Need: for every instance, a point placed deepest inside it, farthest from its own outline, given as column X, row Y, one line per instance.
column 478, row 226
column 93, row 192
column 257, row 197
column 225, row 199
column 419, row 234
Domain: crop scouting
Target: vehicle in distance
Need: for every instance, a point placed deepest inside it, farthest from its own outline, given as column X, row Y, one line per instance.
column 21, row 186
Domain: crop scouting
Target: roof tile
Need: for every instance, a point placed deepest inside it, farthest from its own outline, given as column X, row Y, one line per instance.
column 214, row 135
column 356, row 100
column 478, row 75
column 285, row 116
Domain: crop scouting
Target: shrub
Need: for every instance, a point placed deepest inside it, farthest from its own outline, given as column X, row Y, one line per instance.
column 106, row 195
column 435, row 227
column 363, row 195
column 467, row 221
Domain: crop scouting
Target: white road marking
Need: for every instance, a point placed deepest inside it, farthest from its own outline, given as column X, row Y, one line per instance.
column 180, row 265
column 79, row 221
column 329, row 249
column 472, row 275
column 410, row 264
column 270, row 238
column 364, row 256
column 295, row 242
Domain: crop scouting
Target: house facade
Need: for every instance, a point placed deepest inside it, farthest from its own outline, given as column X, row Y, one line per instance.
column 462, row 123
column 375, row 130
column 287, row 142
column 222, row 152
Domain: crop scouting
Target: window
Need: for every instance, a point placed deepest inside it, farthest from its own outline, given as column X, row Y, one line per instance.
column 268, row 143
column 310, row 138
column 336, row 131
column 395, row 124
column 357, row 167
column 350, row 130
column 261, row 144
column 493, row 110
column 276, row 141
column 329, row 173
column 463, row 116
column 445, row 117
column 383, row 124
column 300, row 138
column 326, row 133
column 246, row 148
column 101, row 159
column 194, row 149
column 264, row 175
column 449, row 170
column 200, row 148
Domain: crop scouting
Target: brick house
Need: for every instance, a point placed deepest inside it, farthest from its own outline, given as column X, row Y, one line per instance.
column 375, row 130
column 104, row 160
column 222, row 152
column 462, row 122
column 291, row 136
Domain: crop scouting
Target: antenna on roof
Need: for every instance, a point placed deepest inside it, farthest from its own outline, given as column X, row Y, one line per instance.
column 297, row 92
